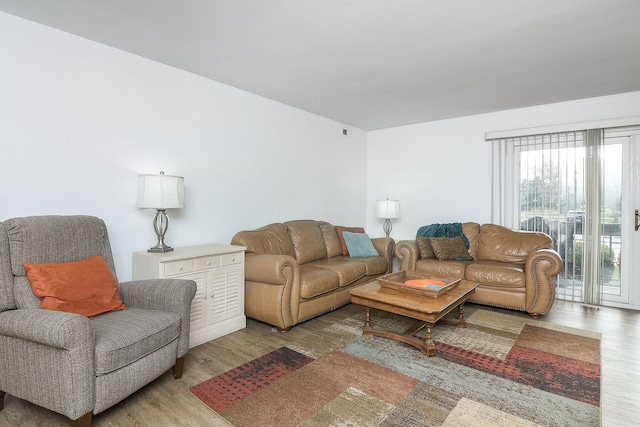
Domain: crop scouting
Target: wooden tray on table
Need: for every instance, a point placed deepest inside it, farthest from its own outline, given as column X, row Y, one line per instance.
column 417, row 283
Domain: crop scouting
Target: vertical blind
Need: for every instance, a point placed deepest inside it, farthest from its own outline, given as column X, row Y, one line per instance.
column 551, row 182
column 592, row 223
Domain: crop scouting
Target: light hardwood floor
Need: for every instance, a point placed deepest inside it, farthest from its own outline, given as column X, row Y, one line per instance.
column 167, row 402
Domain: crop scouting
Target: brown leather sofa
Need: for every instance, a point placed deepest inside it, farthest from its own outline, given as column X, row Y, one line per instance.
column 295, row 271
column 514, row 269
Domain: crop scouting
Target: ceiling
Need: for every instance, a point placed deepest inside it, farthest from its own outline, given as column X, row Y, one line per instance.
column 375, row 64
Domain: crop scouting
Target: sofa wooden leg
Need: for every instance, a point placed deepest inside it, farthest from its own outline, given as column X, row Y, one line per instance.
column 178, row 367
column 283, row 330
column 83, row 421
column 1, row 400
column 535, row 315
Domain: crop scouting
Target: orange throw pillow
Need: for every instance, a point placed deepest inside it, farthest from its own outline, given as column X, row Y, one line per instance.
column 84, row 287
column 340, row 229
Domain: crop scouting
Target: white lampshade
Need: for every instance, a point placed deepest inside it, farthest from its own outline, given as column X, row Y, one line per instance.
column 160, row 191
column 387, row 209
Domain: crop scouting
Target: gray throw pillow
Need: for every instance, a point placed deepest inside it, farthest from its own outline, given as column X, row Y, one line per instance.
column 426, row 251
column 450, row 248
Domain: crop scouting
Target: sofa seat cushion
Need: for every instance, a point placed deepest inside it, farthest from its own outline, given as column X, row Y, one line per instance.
column 348, row 269
column 122, row 337
column 444, row 270
column 497, row 273
column 374, row 265
column 316, row 281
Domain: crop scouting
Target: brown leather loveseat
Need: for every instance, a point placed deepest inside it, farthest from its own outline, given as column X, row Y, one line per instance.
column 296, row 270
column 514, row 269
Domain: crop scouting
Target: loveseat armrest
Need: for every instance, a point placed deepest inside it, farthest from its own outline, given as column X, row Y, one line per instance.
column 541, row 269
column 173, row 295
column 408, row 252
column 384, row 246
column 48, row 347
column 272, row 289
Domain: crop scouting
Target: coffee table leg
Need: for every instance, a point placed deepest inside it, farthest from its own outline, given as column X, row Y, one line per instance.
column 428, row 347
column 367, row 323
column 462, row 323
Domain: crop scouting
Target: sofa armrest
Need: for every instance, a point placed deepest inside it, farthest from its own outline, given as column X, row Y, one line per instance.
column 384, row 246
column 267, row 268
column 272, row 289
column 408, row 252
column 174, row 295
column 52, row 347
column 541, row 268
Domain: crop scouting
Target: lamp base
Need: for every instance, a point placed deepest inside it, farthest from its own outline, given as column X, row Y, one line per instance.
column 387, row 226
column 160, row 225
column 160, row 249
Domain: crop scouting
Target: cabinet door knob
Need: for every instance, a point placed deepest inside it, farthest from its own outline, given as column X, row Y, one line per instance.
column 208, row 263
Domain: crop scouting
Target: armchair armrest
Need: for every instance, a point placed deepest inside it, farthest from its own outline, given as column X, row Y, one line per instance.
column 272, row 289
column 48, row 347
column 174, row 295
column 408, row 252
column 53, row 328
column 541, row 268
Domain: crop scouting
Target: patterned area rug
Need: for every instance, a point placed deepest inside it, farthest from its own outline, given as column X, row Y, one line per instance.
column 502, row 370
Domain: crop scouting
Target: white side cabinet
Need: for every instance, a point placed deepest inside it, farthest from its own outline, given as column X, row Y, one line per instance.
column 218, row 270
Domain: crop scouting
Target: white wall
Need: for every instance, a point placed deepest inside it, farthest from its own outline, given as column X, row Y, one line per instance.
column 441, row 171
column 79, row 121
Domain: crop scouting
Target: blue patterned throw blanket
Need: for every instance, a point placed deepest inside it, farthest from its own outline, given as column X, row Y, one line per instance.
column 453, row 229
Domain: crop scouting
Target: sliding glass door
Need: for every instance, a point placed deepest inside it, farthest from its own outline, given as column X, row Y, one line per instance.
column 581, row 188
column 626, row 143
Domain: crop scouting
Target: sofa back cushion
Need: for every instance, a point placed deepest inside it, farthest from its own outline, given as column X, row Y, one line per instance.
column 331, row 240
column 497, row 243
column 472, row 230
column 308, row 241
column 270, row 239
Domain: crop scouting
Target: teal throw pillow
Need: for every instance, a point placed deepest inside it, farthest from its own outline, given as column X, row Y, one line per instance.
column 359, row 244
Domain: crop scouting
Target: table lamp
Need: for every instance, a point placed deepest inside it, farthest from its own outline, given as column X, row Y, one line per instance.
column 387, row 209
column 160, row 192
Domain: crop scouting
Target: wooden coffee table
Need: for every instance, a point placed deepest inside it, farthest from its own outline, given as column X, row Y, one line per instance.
column 423, row 308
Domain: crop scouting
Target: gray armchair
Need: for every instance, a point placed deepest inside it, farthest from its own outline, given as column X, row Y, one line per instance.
column 68, row 363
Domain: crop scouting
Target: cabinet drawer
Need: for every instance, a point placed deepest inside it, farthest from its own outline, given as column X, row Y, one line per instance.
column 207, row 263
column 178, row 267
column 230, row 259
